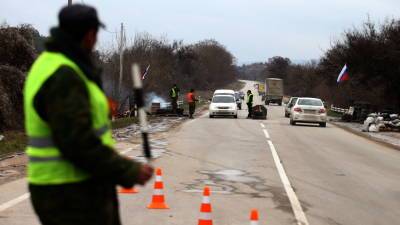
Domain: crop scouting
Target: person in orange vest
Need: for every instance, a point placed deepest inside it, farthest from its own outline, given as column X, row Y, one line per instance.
column 191, row 99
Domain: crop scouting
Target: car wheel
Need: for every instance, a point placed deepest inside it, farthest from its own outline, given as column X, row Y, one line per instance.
column 292, row 122
column 280, row 103
column 286, row 115
column 322, row 124
column 211, row 116
column 235, row 116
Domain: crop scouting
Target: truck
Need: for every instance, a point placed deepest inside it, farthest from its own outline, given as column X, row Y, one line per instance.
column 273, row 91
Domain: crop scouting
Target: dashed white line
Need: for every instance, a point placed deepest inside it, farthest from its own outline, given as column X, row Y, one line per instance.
column 294, row 201
column 262, row 125
column 14, row 202
column 202, row 115
column 266, row 134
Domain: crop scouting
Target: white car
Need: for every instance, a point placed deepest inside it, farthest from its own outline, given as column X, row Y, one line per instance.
column 223, row 105
column 224, row 92
column 308, row 110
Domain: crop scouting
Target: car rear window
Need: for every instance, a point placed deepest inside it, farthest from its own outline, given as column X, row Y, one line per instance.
column 223, row 99
column 293, row 100
column 313, row 102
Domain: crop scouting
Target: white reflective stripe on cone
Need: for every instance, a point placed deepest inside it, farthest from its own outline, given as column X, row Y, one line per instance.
column 205, row 216
column 158, row 178
column 206, row 199
column 254, row 222
column 158, row 192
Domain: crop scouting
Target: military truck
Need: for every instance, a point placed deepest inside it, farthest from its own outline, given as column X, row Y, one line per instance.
column 273, row 91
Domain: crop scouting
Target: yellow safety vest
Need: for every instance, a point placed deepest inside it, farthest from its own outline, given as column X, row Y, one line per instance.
column 173, row 93
column 248, row 98
column 46, row 164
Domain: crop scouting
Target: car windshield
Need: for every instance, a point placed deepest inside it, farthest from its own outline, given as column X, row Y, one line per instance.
column 293, row 100
column 312, row 102
column 224, row 93
column 223, row 99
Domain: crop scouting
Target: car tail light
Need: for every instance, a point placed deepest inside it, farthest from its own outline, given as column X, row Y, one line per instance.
column 322, row 111
column 297, row 109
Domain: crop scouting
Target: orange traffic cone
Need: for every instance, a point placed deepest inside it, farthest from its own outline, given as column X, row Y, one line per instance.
column 205, row 209
column 131, row 190
column 158, row 200
column 254, row 217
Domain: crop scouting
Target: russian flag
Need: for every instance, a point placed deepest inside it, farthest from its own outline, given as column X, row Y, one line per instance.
column 344, row 74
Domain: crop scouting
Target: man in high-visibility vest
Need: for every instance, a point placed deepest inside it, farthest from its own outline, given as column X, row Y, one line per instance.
column 174, row 94
column 191, row 99
column 73, row 168
column 249, row 103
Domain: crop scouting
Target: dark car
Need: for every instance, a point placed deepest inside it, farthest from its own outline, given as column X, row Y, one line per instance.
column 239, row 99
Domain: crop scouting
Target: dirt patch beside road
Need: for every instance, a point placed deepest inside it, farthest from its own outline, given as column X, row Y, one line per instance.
column 389, row 139
column 13, row 166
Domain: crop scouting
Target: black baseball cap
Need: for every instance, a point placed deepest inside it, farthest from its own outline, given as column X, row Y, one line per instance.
column 77, row 19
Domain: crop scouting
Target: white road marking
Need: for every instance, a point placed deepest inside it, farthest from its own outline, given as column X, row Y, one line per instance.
column 294, row 201
column 14, row 202
column 202, row 115
column 25, row 196
column 126, row 151
column 262, row 125
column 266, row 134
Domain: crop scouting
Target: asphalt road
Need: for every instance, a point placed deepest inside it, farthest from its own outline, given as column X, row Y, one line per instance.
column 291, row 174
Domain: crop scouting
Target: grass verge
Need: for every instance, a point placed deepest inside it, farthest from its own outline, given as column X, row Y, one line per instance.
column 14, row 141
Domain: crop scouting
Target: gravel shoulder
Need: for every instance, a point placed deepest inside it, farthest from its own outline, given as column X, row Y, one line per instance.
column 390, row 139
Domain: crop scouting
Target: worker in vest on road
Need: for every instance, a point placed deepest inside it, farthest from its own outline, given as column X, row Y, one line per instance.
column 174, row 94
column 191, row 99
column 73, row 168
column 250, row 103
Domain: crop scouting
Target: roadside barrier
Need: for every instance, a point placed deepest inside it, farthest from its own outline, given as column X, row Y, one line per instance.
column 254, row 217
column 158, row 199
column 205, row 208
column 132, row 190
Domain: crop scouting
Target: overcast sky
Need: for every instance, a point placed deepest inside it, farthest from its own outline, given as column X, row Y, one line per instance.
column 253, row 30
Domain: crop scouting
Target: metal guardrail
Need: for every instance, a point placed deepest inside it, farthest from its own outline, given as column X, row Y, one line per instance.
column 338, row 110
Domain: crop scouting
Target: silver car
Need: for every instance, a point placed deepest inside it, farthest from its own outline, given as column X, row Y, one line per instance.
column 289, row 106
column 308, row 110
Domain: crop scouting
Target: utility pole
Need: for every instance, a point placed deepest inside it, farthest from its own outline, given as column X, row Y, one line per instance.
column 69, row 2
column 121, row 57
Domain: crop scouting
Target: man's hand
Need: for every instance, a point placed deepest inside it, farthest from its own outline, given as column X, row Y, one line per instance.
column 145, row 173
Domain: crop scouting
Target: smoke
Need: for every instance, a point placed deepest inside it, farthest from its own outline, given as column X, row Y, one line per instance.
column 154, row 98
